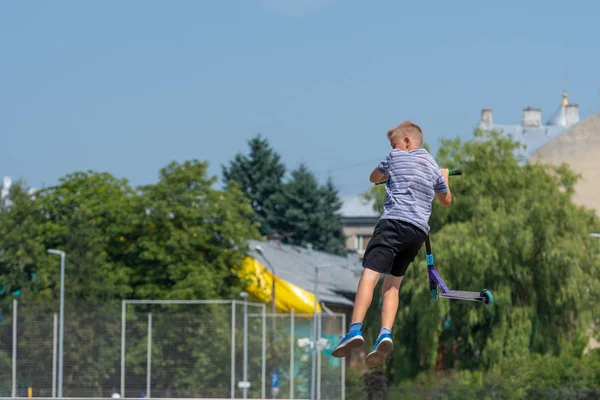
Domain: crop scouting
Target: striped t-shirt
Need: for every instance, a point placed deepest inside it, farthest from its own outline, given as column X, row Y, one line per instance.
column 414, row 178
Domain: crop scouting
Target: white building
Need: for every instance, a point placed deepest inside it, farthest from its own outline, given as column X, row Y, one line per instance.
column 531, row 131
column 358, row 220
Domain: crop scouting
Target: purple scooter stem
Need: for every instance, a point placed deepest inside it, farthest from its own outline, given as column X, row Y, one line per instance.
column 436, row 278
column 436, row 281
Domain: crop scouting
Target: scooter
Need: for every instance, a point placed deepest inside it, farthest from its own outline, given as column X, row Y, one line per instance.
column 437, row 285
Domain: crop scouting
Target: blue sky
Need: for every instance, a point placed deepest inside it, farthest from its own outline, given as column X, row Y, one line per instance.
column 127, row 86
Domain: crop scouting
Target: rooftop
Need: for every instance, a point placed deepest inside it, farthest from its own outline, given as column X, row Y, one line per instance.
column 532, row 132
column 357, row 207
column 338, row 277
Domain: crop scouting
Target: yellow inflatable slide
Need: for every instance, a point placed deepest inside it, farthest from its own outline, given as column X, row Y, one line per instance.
column 287, row 295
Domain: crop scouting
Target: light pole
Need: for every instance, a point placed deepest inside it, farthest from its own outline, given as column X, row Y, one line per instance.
column 245, row 382
column 61, row 318
column 313, row 369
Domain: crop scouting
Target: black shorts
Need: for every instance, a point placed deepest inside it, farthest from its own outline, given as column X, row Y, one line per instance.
column 394, row 245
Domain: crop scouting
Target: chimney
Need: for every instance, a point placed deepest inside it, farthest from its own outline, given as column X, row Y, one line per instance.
column 571, row 114
column 486, row 116
column 532, row 117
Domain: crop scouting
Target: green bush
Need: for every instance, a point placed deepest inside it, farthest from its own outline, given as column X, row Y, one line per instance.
column 531, row 378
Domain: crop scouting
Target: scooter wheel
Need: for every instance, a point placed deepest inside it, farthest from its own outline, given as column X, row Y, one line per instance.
column 434, row 294
column 488, row 298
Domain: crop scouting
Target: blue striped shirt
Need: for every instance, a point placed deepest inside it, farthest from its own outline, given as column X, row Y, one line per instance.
column 414, row 178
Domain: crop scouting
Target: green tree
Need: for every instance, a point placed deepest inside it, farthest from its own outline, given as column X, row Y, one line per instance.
column 86, row 215
column 19, row 248
column 512, row 228
column 332, row 236
column 310, row 213
column 188, row 240
column 81, row 215
column 259, row 176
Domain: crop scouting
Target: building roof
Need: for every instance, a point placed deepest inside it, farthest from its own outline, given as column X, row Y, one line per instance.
column 338, row 276
column 357, row 207
column 533, row 137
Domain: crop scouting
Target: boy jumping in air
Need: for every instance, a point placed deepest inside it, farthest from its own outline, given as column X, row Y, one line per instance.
column 413, row 180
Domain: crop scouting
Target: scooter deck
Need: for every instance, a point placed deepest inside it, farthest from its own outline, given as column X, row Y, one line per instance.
column 462, row 295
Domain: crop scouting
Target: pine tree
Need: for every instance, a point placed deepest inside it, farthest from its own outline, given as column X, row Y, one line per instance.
column 310, row 213
column 333, row 237
column 259, row 175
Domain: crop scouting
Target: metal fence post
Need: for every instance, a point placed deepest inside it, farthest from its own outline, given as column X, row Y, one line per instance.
column 343, row 361
column 264, row 350
column 14, row 349
column 233, row 349
column 123, row 322
column 292, row 345
column 319, row 333
column 245, row 356
column 61, row 330
column 149, row 360
column 313, row 369
column 54, row 350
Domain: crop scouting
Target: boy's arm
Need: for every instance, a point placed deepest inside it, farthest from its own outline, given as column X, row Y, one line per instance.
column 444, row 197
column 377, row 176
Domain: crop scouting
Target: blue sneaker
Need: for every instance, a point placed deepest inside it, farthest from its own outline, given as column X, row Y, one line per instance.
column 382, row 347
column 352, row 340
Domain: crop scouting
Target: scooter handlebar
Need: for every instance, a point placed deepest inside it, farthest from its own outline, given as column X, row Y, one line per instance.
column 451, row 172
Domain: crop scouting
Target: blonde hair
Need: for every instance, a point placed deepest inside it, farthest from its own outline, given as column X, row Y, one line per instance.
column 406, row 128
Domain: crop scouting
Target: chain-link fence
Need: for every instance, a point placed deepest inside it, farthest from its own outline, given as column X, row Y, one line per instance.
column 170, row 349
column 290, row 356
column 6, row 350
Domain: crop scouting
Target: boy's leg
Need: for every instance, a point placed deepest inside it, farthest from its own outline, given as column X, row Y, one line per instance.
column 362, row 301
column 390, row 291
column 391, row 284
column 384, row 344
column 378, row 258
column 364, row 294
